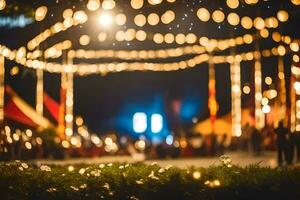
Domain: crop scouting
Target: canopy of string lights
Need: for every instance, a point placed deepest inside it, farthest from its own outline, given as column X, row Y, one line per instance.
column 107, row 36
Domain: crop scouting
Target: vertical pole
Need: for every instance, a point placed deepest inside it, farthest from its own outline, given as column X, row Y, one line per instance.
column 2, row 87
column 40, row 91
column 236, row 102
column 282, row 89
column 212, row 102
column 69, row 117
column 259, row 115
column 293, row 105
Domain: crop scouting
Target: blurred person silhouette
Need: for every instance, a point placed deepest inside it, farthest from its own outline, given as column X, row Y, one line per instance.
column 297, row 143
column 256, row 141
column 245, row 137
column 281, row 133
column 290, row 147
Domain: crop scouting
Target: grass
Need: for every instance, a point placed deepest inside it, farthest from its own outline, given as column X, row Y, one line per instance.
column 147, row 182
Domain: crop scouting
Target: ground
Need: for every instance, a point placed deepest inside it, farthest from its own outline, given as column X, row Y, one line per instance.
column 267, row 159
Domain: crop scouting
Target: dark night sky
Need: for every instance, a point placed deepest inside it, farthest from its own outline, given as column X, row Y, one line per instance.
column 103, row 100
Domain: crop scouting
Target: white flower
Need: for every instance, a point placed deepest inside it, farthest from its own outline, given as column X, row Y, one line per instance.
column 152, row 176
column 140, row 182
column 51, row 190
column 74, row 188
column 101, row 166
column 81, row 171
column 106, row 186
column 45, row 168
column 24, row 165
column 168, row 167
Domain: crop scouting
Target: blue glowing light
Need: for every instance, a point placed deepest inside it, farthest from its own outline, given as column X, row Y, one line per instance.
column 139, row 122
column 169, row 139
column 13, row 22
column 156, row 123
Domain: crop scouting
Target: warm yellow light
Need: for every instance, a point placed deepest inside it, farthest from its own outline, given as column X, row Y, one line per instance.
column 28, row 145
column 281, row 50
column 218, row 16
column 120, row 19
column 282, row 15
column 294, row 47
column 2, row 4
column 102, row 37
column 158, row 38
column 93, row 5
column 251, row 1
column 141, row 35
column 169, row 38
column 203, row 14
column 233, row 3
column 196, row 175
column 180, row 38
column 153, row 19
column 130, row 34
column 296, row 59
column 108, row 4
column 233, row 19
column 266, row 109
column 296, row 2
column 80, row 17
column 268, row 80
column 276, row 36
column 246, row 89
column 105, row 19
column 264, row 33
column 140, row 20
column 154, row 2
column 259, row 23
column 14, row 71
column 271, row 22
column 137, row 4
column 191, row 38
column 168, row 17
column 84, row 40
column 247, row 22
column 68, row 13
column 41, row 13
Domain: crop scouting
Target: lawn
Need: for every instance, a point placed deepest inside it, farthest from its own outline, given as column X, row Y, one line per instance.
column 117, row 181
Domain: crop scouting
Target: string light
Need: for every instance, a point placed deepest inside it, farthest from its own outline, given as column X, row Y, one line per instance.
column 137, row 4
column 79, row 17
column 232, row 3
column 296, row 2
column 2, row 4
column 93, row 5
column 108, row 4
column 203, row 14
column 218, row 16
column 41, row 13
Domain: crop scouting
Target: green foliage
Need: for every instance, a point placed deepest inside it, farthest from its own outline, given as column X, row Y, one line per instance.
column 146, row 182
